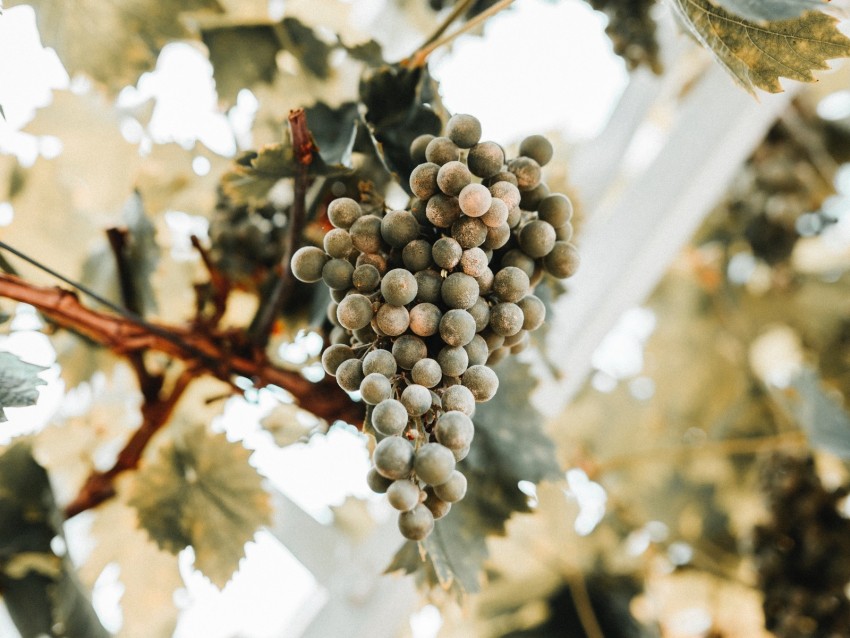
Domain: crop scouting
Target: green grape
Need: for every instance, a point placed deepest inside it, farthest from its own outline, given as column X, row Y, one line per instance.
column 427, row 373
column 459, row 291
column 425, row 319
column 417, row 255
column 453, row 177
column 416, row 524
column 453, row 360
column 380, row 361
column 480, row 312
column 454, row 489
column 473, row 262
column 407, row 350
column 416, row 399
column 337, row 243
column 506, row 319
column 485, row 282
column 441, row 150
column 563, row 261
column 375, row 388
column 403, row 495
column 337, row 274
column 393, row 458
column 343, row 212
column 458, row 398
column 469, row 232
column 392, row 320
column 481, row 381
column 507, row 192
column 437, row 506
column 376, row 482
column 477, row 350
column 355, row 311
column 497, row 214
column 307, row 264
column 457, row 327
column 530, row 199
column 485, row 159
column 454, row 429
column 497, row 237
column 389, row 417
column 429, row 285
column 537, row 148
column 349, row 375
column 366, row 234
column 533, row 312
column 537, row 238
column 399, row 228
column 556, row 209
column 464, row 130
column 366, row 278
column 423, row 180
column 418, row 146
column 518, row 259
column 510, row 284
column 434, row 463
column 474, row 200
column 334, row 355
column 442, row 210
column 399, row 287
column 527, row 171
column 446, row 253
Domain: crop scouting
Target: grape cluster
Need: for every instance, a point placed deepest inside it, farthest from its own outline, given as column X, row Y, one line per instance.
column 803, row 553
column 426, row 299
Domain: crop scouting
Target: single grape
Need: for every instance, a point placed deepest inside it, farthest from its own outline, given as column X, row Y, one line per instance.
column 441, row 150
column 469, row 232
column 506, row 319
column 514, row 217
column 365, row 278
column 349, row 375
column 429, row 286
column 343, row 212
column 416, row 524
column 437, row 506
column 308, row 263
column 510, row 284
column 403, row 495
column 474, row 200
column 339, row 336
column 434, row 463
column 375, row 388
column 446, row 252
column 517, row 337
column 527, row 172
column 376, row 260
column 537, row 238
column 480, row 312
column 399, row 228
column 522, row 343
column 389, row 417
column 423, row 180
column 497, row 214
column 417, row 209
column 454, row 489
column 416, row 255
column 459, row 291
column 485, row 282
column 453, row 360
column 501, row 176
column 493, row 339
column 427, row 373
column 531, row 198
column 365, row 334
column 337, row 243
column 453, row 177
column 562, row 261
column 497, row 355
column 458, row 398
column 407, row 350
column 515, row 257
column 485, row 159
column 556, row 209
column 425, row 319
column 496, row 237
column 457, row 327
column 393, row 457
column 564, row 233
column 464, row 130
column 392, row 320
column 366, row 234
column 376, row 482
column 418, row 146
column 481, row 381
column 473, row 261
column 334, row 355
column 416, row 399
column 477, row 350
column 399, row 287
column 533, row 312
column 454, row 429
column 537, row 148
column 442, row 210
column 380, row 361
column 337, row 274
column 355, row 311
column 507, row 192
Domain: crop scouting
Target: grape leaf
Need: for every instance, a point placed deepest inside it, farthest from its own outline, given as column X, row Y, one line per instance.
column 241, row 55
column 758, row 54
column 39, row 587
column 334, row 130
column 301, row 41
column 113, row 42
column 200, row 490
column 19, row 383
column 770, row 9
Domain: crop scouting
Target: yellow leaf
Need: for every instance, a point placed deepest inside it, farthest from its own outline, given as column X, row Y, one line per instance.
column 758, row 54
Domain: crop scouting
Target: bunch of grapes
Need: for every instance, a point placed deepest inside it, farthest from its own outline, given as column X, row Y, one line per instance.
column 426, row 299
column 803, row 553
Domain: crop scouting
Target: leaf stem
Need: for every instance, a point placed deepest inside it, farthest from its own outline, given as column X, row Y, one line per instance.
column 456, row 12
column 584, row 606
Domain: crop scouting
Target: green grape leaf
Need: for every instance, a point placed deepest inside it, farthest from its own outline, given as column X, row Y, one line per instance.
column 770, row 9
column 241, row 56
column 40, row 588
column 19, row 383
column 200, row 490
column 112, row 42
column 302, row 42
column 758, row 54
column 369, row 52
column 821, row 415
column 334, row 130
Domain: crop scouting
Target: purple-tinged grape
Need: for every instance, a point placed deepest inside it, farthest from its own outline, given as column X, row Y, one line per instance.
column 355, row 311
column 537, row 238
column 399, row 287
column 446, row 253
column 437, row 506
column 337, row 243
column 459, row 291
column 416, row 524
column 464, row 130
column 441, row 150
column 376, row 482
column 506, row 319
column 474, row 200
column 481, row 381
column 537, row 148
column 434, row 463
column 427, row 373
column 485, row 159
column 533, row 312
column 366, row 234
column 393, row 458
column 407, row 350
column 556, row 209
column 343, row 212
column 337, row 274
column 366, row 278
column 442, row 210
column 453, row 177
column 457, row 327
column 334, row 355
column 507, row 192
column 375, row 388
column 389, row 417
column 423, row 180
column 425, row 319
column 510, row 284
column 308, row 263
column 403, row 495
column 453, row 360
column 454, row 429
column 452, row 490
column 527, row 171
column 349, row 375
column 458, row 398
column 392, row 320
column 380, row 361
column 416, row 399
column 399, row 228
column 563, row 261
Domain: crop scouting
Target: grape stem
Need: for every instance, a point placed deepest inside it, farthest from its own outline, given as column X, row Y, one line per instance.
column 456, row 12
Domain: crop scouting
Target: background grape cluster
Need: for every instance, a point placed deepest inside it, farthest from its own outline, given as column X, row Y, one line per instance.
column 426, row 299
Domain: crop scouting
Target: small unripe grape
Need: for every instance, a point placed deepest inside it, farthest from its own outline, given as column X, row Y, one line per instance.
column 334, row 355
column 562, row 261
column 477, row 350
column 441, row 150
column 446, row 252
column 527, row 172
column 399, row 287
column 510, row 284
column 423, row 180
column 337, row 243
column 480, row 312
column 375, row 388
column 497, row 214
column 474, row 200
column 427, row 373
column 380, row 361
column 537, row 148
column 337, row 274
column 481, row 381
column 355, row 311
column 533, row 312
column 454, row 429
column 307, row 264
column 416, row 524
column 416, row 255
column 425, row 319
column 349, row 375
column 343, row 212
column 469, row 232
column 366, row 234
column 403, row 495
column 392, row 320
column 416, row 399
column 442, row 210
column 485, row 159
column 537, row 238
column 453, row 360
column 457, row 327
column 399, row 228
column 464, row 130
column 393, row 458
column 365, row 278
column 459, row 291
column 437, row 506
column 452, row 490
column 434, row 463
column 429, row 285
column 531, row 198
column 518, row 259
column 556, row 209
column 409, row 349
column 507, row 192
column 458, row 398
column 453, row 177
column 496, row 237
column 474, row 262
column 418, row 146
column 506, row 319
column 389, row 417
column 376, row 482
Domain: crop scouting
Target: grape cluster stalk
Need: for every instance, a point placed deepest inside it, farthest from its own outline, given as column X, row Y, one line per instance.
column 427, row 299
